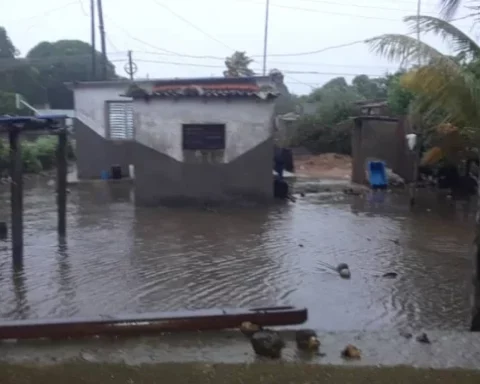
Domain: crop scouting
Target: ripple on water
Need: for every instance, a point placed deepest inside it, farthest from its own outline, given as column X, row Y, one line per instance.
column 122, row 259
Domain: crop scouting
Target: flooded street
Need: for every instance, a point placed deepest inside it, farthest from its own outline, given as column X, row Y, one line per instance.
column 119, row 259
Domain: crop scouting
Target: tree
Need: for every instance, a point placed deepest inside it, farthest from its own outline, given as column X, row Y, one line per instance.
column 370, row 89
column 398, row 97
column 7, row 49
column 7, row 103
column 65, row 61
column 237, row 65
column 445, row 86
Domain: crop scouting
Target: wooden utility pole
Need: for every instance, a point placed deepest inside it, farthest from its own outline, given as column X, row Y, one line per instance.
column 130, row 65
column 16, row 196
column 101, row 27
column 92, row 32
column 62, row 181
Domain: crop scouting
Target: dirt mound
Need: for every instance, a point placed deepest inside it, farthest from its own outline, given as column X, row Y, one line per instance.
column 327, row 165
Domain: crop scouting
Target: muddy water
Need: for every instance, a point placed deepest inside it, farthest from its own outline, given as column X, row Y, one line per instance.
column 119, row 259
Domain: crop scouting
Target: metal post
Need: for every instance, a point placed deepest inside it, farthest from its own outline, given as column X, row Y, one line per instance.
column 16, row 196
column 92, row 32
column 265, row 37
column 101, row 26
column 130, row 65
column 62, row 181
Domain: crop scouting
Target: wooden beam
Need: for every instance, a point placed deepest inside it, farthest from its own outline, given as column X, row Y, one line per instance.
column 16, row 195
column 199, row 320
column 62, row 183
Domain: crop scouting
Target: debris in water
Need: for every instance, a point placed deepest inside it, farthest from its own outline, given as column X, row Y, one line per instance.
column 395, row 241
column 343, row 270
column 423, row 338
column 390, row 275
column 351, row 352
column 406, row 335
column 267, row 343
column 307, row 340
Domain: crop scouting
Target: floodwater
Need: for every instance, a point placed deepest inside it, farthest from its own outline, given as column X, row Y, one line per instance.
column 122, row 259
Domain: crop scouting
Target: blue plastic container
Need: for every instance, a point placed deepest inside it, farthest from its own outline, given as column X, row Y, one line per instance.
column 105, row 175
column 377, row 174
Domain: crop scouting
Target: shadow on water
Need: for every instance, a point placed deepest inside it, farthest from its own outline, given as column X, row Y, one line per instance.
column 124, row 259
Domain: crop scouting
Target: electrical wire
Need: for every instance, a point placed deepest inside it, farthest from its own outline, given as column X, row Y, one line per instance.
column 192, row 25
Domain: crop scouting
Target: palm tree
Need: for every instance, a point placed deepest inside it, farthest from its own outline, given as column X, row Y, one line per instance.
column 450, row 7
column 238, row 65
column 445, row 85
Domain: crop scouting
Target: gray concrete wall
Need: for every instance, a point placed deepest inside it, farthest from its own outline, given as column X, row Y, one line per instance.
column 161, row 179
column 96, row 153
column 381, row 140
column 165, row 173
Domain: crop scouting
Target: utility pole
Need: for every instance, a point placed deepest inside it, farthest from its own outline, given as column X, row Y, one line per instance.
column 130, row 65
column 265, row 37
column 92, row 31
column 101, row 27
column 416, row 121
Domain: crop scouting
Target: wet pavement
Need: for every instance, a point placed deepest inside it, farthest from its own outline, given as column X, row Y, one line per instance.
column 122, row 259
column 446, row 350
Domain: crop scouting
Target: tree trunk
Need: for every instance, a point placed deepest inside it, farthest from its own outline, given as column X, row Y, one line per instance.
column 475, row 326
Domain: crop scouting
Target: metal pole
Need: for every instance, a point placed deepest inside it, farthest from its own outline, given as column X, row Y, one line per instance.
column 416, row 159
column 101, row 27
column 130, row 65
column 92, row 31
column 16, row 196
column 419, row 7
column 62, row 181
column 265, row 37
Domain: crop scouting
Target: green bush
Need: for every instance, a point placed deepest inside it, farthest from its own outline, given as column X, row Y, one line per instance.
column 320, row 138
column 37, row 155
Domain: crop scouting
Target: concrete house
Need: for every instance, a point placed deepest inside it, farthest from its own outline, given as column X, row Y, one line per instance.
column 188, row 139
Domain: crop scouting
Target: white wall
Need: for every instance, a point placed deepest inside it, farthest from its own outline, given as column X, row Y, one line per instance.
column 158, row 123
column 89, row 104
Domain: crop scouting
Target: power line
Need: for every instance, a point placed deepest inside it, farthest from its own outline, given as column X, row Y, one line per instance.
column 359, row 5
column 46, row 13
column 192, row 25
column 324, row 11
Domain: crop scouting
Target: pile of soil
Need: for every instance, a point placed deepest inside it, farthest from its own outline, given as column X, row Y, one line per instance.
column 327, row 165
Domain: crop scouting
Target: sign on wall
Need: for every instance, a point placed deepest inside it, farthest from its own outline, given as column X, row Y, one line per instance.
column 203, row 136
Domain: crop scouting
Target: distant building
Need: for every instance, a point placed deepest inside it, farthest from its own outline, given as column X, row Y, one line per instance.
column 373, row 108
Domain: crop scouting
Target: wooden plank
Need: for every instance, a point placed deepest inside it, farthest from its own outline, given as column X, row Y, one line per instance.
column 16, row 196
column 202, row 320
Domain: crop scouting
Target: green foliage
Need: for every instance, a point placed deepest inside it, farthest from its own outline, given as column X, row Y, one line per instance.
column 37, row 155
column 398, row 97
column 40, row 77
column 7, row 103
column 320, row 138
column 238, row 65
column 329, row 130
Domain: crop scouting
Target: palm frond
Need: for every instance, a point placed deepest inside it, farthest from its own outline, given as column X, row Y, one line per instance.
column 446, row 86
column 396, row 47
column 458, row 40
column 449, row 7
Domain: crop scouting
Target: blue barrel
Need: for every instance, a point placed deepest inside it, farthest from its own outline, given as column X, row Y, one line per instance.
column 105, row 175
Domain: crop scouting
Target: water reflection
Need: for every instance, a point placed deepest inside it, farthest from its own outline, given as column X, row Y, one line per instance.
column 121, row 259
column 21, row 309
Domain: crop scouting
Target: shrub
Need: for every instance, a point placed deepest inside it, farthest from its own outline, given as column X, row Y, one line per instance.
column 37, row 155
column 320, row 138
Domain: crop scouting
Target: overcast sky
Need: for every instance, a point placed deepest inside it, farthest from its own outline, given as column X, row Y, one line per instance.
column 162, row 32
